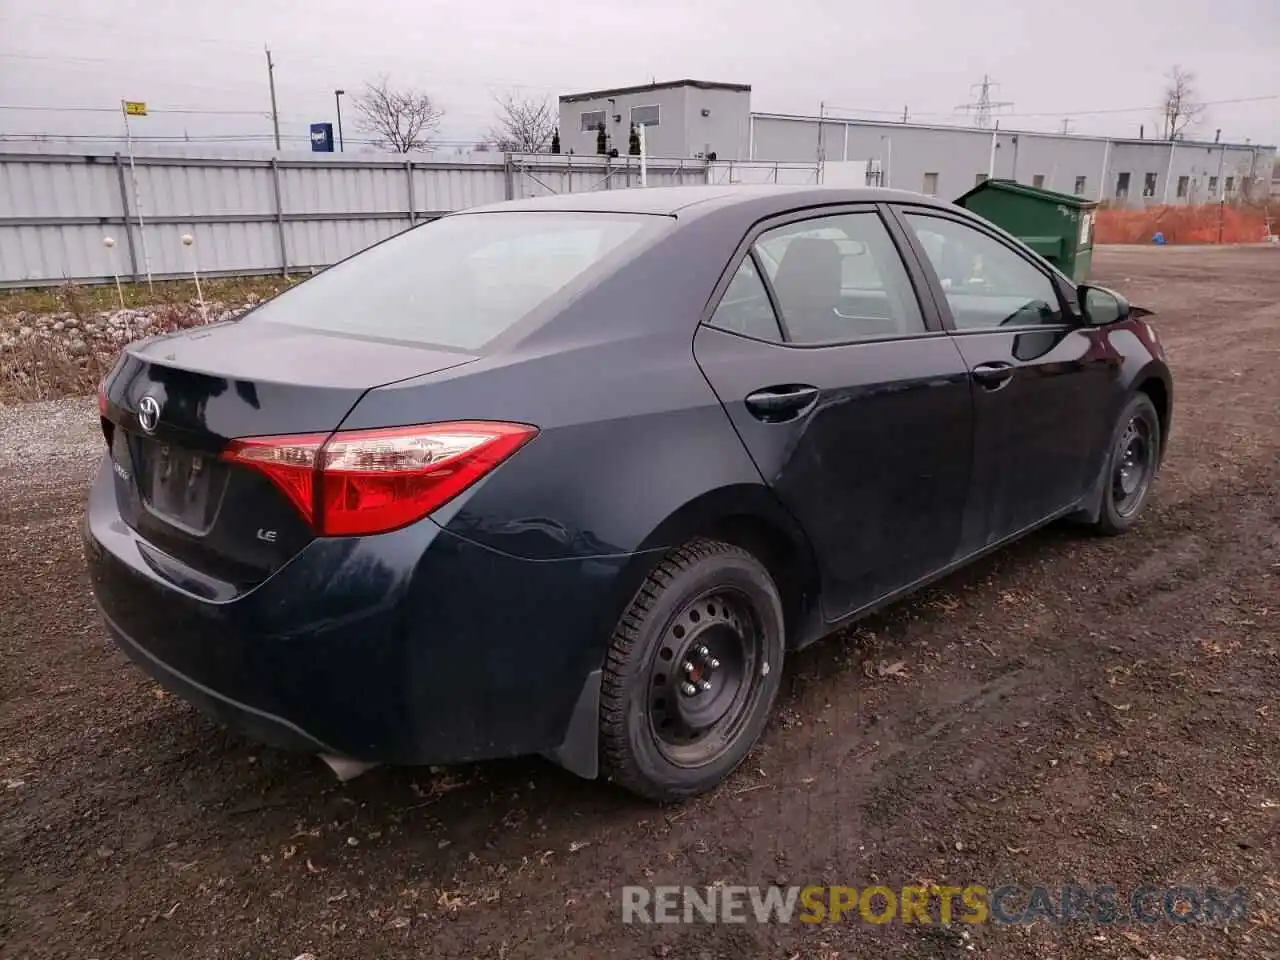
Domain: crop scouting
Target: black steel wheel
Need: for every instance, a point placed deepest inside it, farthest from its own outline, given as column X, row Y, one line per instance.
column 692, row 672
column 1131, row 465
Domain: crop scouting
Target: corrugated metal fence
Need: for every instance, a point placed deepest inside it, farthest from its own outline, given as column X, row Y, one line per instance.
column 255, row 213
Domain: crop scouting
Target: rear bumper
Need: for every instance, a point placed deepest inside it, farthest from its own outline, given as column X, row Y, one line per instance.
column 412, row 647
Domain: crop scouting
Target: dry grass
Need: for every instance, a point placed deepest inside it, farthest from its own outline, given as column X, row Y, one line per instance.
column 82, row 300
column 46, row 368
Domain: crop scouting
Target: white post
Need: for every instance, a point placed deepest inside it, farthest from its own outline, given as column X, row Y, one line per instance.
column 110, row 244
column 1168, row 174
column 888, row 162
column 644, row 165
column 1102, row 181
column 187, row 241
column 991, row 164
column 844, row 155
column 137, row 201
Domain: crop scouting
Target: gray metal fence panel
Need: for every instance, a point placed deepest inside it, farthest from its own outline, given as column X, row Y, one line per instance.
column 254, row 213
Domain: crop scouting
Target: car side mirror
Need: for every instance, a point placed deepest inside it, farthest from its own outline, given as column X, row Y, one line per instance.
column 1101, row 306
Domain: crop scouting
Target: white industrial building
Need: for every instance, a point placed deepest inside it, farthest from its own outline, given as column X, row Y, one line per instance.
column 690, row 118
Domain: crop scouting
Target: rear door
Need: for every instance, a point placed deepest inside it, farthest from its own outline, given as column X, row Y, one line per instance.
column 1041, row 380
column 850, row 397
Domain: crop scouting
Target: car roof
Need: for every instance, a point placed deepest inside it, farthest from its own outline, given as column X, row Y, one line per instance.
column 683, row 201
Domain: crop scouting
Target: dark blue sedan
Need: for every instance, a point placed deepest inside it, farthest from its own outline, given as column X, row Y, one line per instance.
column 572, row 476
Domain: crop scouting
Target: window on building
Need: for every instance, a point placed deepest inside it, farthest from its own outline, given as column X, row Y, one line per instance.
column 1246, row 186
column 1213, row 186
column 1149, row 185
column 1037, row 180
column 930, row 184
column 1231, row 185
column 591, row 120
column 986, row 284
column 1122, row 186
column 1184, row 183
column 980, row 178
column 1079, row 188
column 839, row 279
column 646, row 115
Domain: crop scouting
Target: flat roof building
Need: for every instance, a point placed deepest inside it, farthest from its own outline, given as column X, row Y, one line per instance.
column 695, row 118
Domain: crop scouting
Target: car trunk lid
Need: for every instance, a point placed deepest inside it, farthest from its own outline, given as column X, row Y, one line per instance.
column 175, row 402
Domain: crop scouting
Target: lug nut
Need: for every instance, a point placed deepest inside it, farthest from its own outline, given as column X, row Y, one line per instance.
column 688, row 689
column 704, row 685
column 687, row 667
column 713, row 663
column 702, row 651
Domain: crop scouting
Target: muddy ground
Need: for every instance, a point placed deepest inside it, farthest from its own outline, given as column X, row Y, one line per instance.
column 1071, row 709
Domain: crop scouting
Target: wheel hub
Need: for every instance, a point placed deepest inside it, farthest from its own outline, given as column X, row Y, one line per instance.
column 699, row 668
column 1134, row 465
column 701, row 679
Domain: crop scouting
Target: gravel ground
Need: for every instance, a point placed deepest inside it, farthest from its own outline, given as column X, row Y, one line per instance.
column 1071, row 709
column 59, row 435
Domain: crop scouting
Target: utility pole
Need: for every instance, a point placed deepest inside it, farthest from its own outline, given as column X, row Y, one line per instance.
column 337, row 99
column 133, row 176
column 821, row 151
column 904, row 114
column 1066, row 125
column 271, row 79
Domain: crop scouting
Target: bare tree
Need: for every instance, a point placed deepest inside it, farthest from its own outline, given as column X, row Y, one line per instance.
column 399, row 120
column 523, row 125
column 1179, row 109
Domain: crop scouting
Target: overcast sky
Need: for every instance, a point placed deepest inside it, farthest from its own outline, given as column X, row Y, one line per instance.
column 1074, row 59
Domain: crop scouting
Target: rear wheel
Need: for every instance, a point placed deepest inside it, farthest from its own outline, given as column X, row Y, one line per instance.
column 1131, row 465
column 692, row 672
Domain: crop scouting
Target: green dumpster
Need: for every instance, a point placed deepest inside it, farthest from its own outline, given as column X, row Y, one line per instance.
column 1055, row 225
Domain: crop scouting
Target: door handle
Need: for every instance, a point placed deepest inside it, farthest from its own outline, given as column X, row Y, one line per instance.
column 777, row 404
column 993, row 376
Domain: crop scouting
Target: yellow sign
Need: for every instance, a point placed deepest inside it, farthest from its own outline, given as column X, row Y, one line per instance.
column 135, row 108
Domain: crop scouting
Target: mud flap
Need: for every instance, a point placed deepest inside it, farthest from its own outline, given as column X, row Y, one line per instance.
column 1091, row 506
column 579, row 751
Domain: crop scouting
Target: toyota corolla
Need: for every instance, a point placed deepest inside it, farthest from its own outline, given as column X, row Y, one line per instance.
column 574, row 476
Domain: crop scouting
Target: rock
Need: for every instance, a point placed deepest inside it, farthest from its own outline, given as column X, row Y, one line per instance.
column 70, row 324
column 78, row 347
column 25, row 331
column 59, row 325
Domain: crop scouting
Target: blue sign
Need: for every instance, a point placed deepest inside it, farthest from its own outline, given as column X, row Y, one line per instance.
column 322, row 138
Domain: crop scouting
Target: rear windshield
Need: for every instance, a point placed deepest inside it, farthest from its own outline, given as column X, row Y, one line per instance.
column 457, row 282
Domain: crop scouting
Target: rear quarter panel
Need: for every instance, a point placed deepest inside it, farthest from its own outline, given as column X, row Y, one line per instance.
column 629, row 433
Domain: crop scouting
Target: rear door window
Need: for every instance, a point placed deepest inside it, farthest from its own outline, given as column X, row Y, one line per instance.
column 745, row 306
column 460, row 281
column 839, row 279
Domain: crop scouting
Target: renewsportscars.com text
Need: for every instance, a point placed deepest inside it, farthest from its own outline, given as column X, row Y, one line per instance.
column 973, row 904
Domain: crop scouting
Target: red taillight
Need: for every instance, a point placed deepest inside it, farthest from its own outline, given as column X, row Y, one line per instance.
column 372, row 481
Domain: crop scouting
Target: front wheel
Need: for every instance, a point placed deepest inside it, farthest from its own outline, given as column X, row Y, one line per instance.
column 692, row 672
column 1131, row 465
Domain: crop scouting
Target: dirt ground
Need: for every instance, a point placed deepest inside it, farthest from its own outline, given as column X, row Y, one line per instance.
column 1072, row 709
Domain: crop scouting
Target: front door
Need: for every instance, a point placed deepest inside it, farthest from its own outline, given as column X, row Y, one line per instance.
column 1040, row 380
column 852, row 401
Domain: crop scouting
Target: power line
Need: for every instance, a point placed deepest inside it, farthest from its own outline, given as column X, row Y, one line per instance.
column 185, row 111
column 1061, row 113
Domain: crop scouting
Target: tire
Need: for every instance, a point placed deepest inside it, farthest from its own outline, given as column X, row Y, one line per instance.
column 1125, row 494
column 709, row 613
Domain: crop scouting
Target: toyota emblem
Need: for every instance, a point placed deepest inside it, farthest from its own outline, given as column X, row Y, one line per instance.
column 149, row 414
